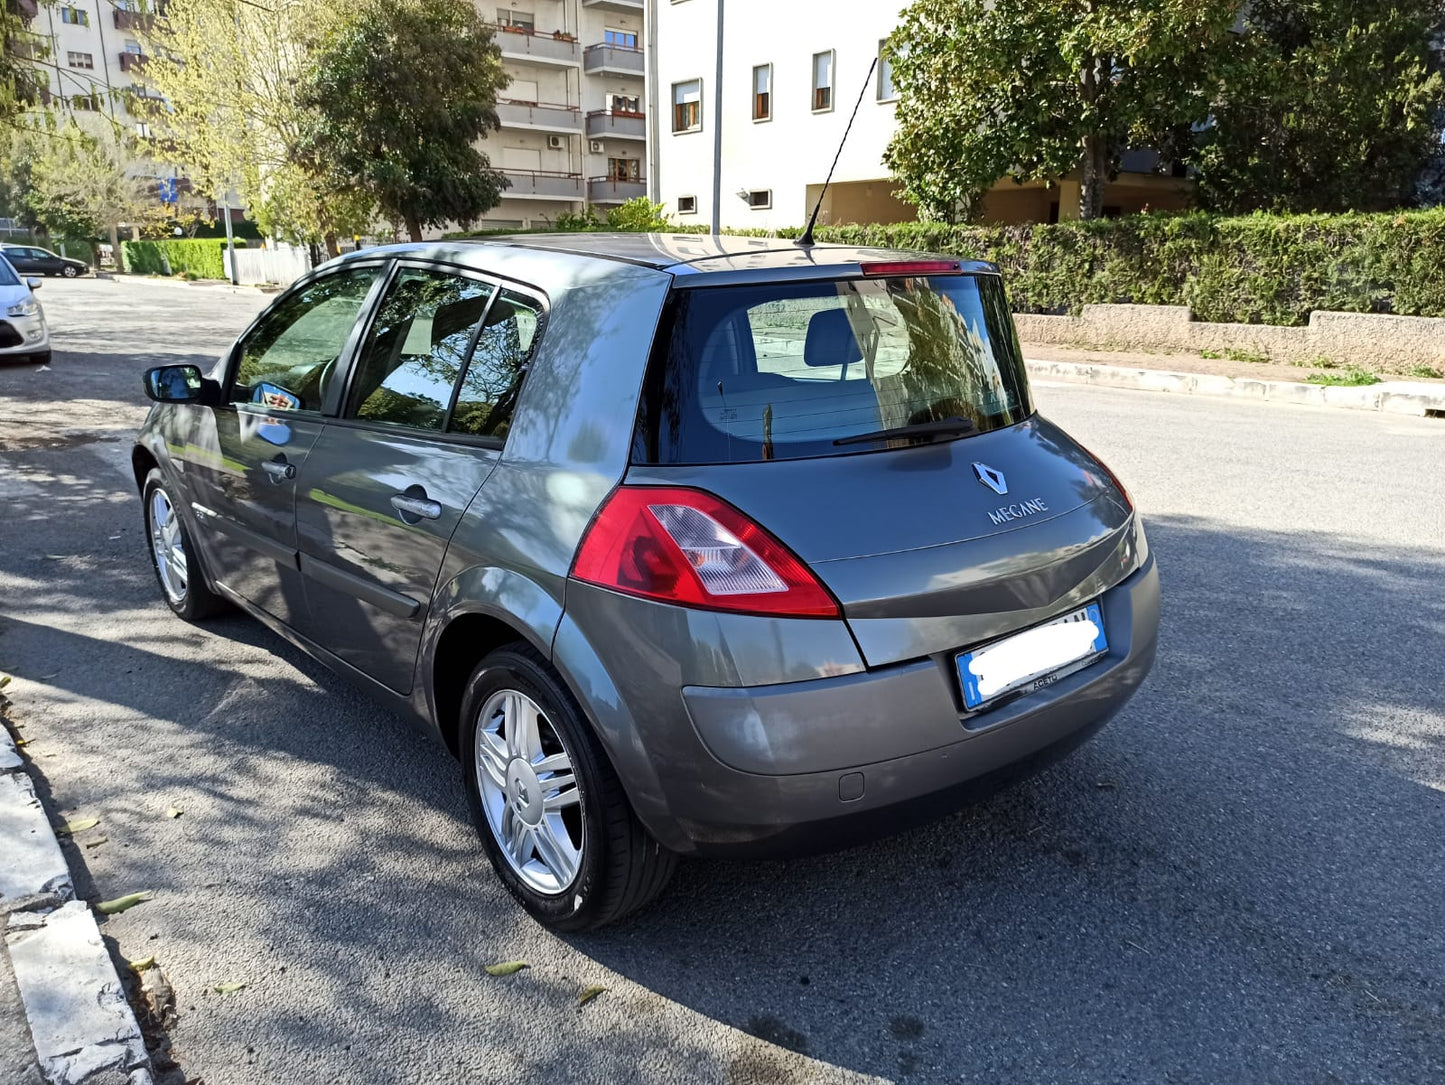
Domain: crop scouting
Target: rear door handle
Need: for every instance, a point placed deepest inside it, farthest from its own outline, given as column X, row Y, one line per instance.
column 279, row 469
column 414, row 507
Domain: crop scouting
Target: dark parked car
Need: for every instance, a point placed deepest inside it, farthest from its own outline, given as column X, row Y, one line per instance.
column 30, row 260
column 682, row 545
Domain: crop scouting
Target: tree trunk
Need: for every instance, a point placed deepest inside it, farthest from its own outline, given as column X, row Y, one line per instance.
column 114, row 249
column 413, row 227
column 333, row 250
column 1095, row 176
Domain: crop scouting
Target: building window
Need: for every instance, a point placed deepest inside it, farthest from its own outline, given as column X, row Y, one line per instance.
column 886, row 90
column 143, row 130
column 80, row 60
column 687, row 106
column 763, row 92
column 86, row 103
column 627, row 103
column 75, row 17
column 620, row 39
column 822, row 82
column 624, row 169
column 517, row 20
column 760, row 199
column 132, row 46
column 687, row 205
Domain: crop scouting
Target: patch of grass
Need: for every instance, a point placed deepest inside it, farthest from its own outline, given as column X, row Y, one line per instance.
column 1212, row 355
column 1322, row 362
column 1236, row 355
column 1426, row 372
column 1351, row 378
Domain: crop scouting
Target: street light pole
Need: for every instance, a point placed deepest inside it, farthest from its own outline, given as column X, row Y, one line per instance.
column 717, row 128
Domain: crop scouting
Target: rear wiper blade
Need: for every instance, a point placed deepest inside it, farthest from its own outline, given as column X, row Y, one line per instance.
column 947, row 427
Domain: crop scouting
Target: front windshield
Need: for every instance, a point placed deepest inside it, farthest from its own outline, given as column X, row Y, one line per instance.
column 7, row 274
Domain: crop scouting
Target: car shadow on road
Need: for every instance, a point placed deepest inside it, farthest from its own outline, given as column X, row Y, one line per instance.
column 1237, row 880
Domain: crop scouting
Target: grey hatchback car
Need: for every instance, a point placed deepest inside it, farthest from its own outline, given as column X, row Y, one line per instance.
column 682, row 545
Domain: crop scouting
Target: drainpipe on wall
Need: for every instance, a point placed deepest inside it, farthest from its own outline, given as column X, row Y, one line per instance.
column 717, row 107
column 649, row 28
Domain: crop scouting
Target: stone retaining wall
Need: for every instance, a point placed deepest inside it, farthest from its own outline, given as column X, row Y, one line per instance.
column 1382, row 342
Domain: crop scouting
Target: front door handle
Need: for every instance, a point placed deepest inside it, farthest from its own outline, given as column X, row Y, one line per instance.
column 415, row 506
column 279, row 469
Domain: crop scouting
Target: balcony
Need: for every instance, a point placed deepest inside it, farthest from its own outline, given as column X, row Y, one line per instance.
column 542, row 185
column 608, row 190
column 26, row 9
column 144, row 21
column 131, row 62
column 610, row 124
column 28, row 45
column 540, row 116
column 613, row 59
column 625, row 6
column 522, row 44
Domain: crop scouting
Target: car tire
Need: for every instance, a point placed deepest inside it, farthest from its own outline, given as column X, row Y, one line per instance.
column 173, row 555
column 619, row 867
column 69, row 272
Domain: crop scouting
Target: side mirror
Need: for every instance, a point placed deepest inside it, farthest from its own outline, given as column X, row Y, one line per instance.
column 34, row 284
column 180, row 384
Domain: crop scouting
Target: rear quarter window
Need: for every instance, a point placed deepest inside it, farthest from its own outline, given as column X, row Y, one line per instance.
column 773, row 372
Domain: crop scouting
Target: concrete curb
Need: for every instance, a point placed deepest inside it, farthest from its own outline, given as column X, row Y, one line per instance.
column 83, row 1029
column 1396, row 397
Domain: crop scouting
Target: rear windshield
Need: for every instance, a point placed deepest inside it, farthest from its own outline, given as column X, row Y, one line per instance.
column 783, row 371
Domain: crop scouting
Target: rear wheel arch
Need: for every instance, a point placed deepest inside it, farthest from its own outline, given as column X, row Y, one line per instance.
column 465, row 641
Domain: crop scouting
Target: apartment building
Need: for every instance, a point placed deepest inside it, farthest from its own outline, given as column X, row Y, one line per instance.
column 574, row 126
column 92, row 53
column 791, row 73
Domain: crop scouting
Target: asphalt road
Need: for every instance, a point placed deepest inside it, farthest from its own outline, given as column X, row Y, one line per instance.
column 1239, row 880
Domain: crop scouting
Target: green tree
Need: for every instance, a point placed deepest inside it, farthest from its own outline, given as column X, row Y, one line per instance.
column 1325, row 105
column 71, row 183
column 397, row 94
column 1034, row 89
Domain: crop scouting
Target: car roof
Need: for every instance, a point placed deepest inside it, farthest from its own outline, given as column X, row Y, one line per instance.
column 682, row 254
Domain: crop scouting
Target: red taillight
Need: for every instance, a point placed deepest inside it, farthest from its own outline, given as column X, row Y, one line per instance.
column 904, row 268
column 695, row 550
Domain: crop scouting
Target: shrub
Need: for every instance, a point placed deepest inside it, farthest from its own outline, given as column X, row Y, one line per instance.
column 202, row 257
column 1255, row 269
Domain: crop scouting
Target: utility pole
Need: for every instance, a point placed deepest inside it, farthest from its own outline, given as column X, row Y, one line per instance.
column 230, row 241
column 717, row 108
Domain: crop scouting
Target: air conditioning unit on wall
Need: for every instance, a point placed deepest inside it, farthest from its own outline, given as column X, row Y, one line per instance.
column 556, row 143
column 595, row 146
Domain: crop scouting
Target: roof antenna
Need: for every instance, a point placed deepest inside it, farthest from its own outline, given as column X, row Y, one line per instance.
column 806, row 241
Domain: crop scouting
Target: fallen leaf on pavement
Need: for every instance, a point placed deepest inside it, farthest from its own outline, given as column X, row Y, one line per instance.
column 142, row 964
column 228, row 988
column 589, row 994
column 507, row 968
column 120, row 904
column 77, row 825
column 172, row 812
column 4, row 680
column 97, row 842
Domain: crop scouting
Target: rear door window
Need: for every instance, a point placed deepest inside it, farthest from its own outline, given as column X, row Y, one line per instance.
column 783, row 371
column 416, row 348
column 505, row 344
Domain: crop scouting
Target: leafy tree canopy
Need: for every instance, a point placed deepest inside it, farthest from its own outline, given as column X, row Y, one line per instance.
column 1033, row 89
column 1325, row 105
column 396, row 95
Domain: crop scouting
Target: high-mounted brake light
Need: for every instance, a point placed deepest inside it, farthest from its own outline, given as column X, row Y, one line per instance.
column 692, row 549
column 904, row 268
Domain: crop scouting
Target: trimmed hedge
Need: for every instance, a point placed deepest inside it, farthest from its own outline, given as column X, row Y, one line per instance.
column 1256, row 269
column 204, row 257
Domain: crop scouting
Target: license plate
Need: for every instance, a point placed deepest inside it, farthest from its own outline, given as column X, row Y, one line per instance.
column 1034, row 658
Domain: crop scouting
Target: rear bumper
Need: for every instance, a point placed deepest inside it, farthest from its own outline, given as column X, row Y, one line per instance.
column 895, row 749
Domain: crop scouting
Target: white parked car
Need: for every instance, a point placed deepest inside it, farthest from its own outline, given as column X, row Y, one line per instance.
column 23, row 331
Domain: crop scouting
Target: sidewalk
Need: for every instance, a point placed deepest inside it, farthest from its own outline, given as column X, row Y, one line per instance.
column 64, row 1019
column 1191, row 374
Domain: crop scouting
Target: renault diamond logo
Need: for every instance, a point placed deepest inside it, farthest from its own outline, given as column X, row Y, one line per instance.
column 991, row 477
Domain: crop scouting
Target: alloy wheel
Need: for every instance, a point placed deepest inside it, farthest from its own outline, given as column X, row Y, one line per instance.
column 168, row 546
column 529, row 791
